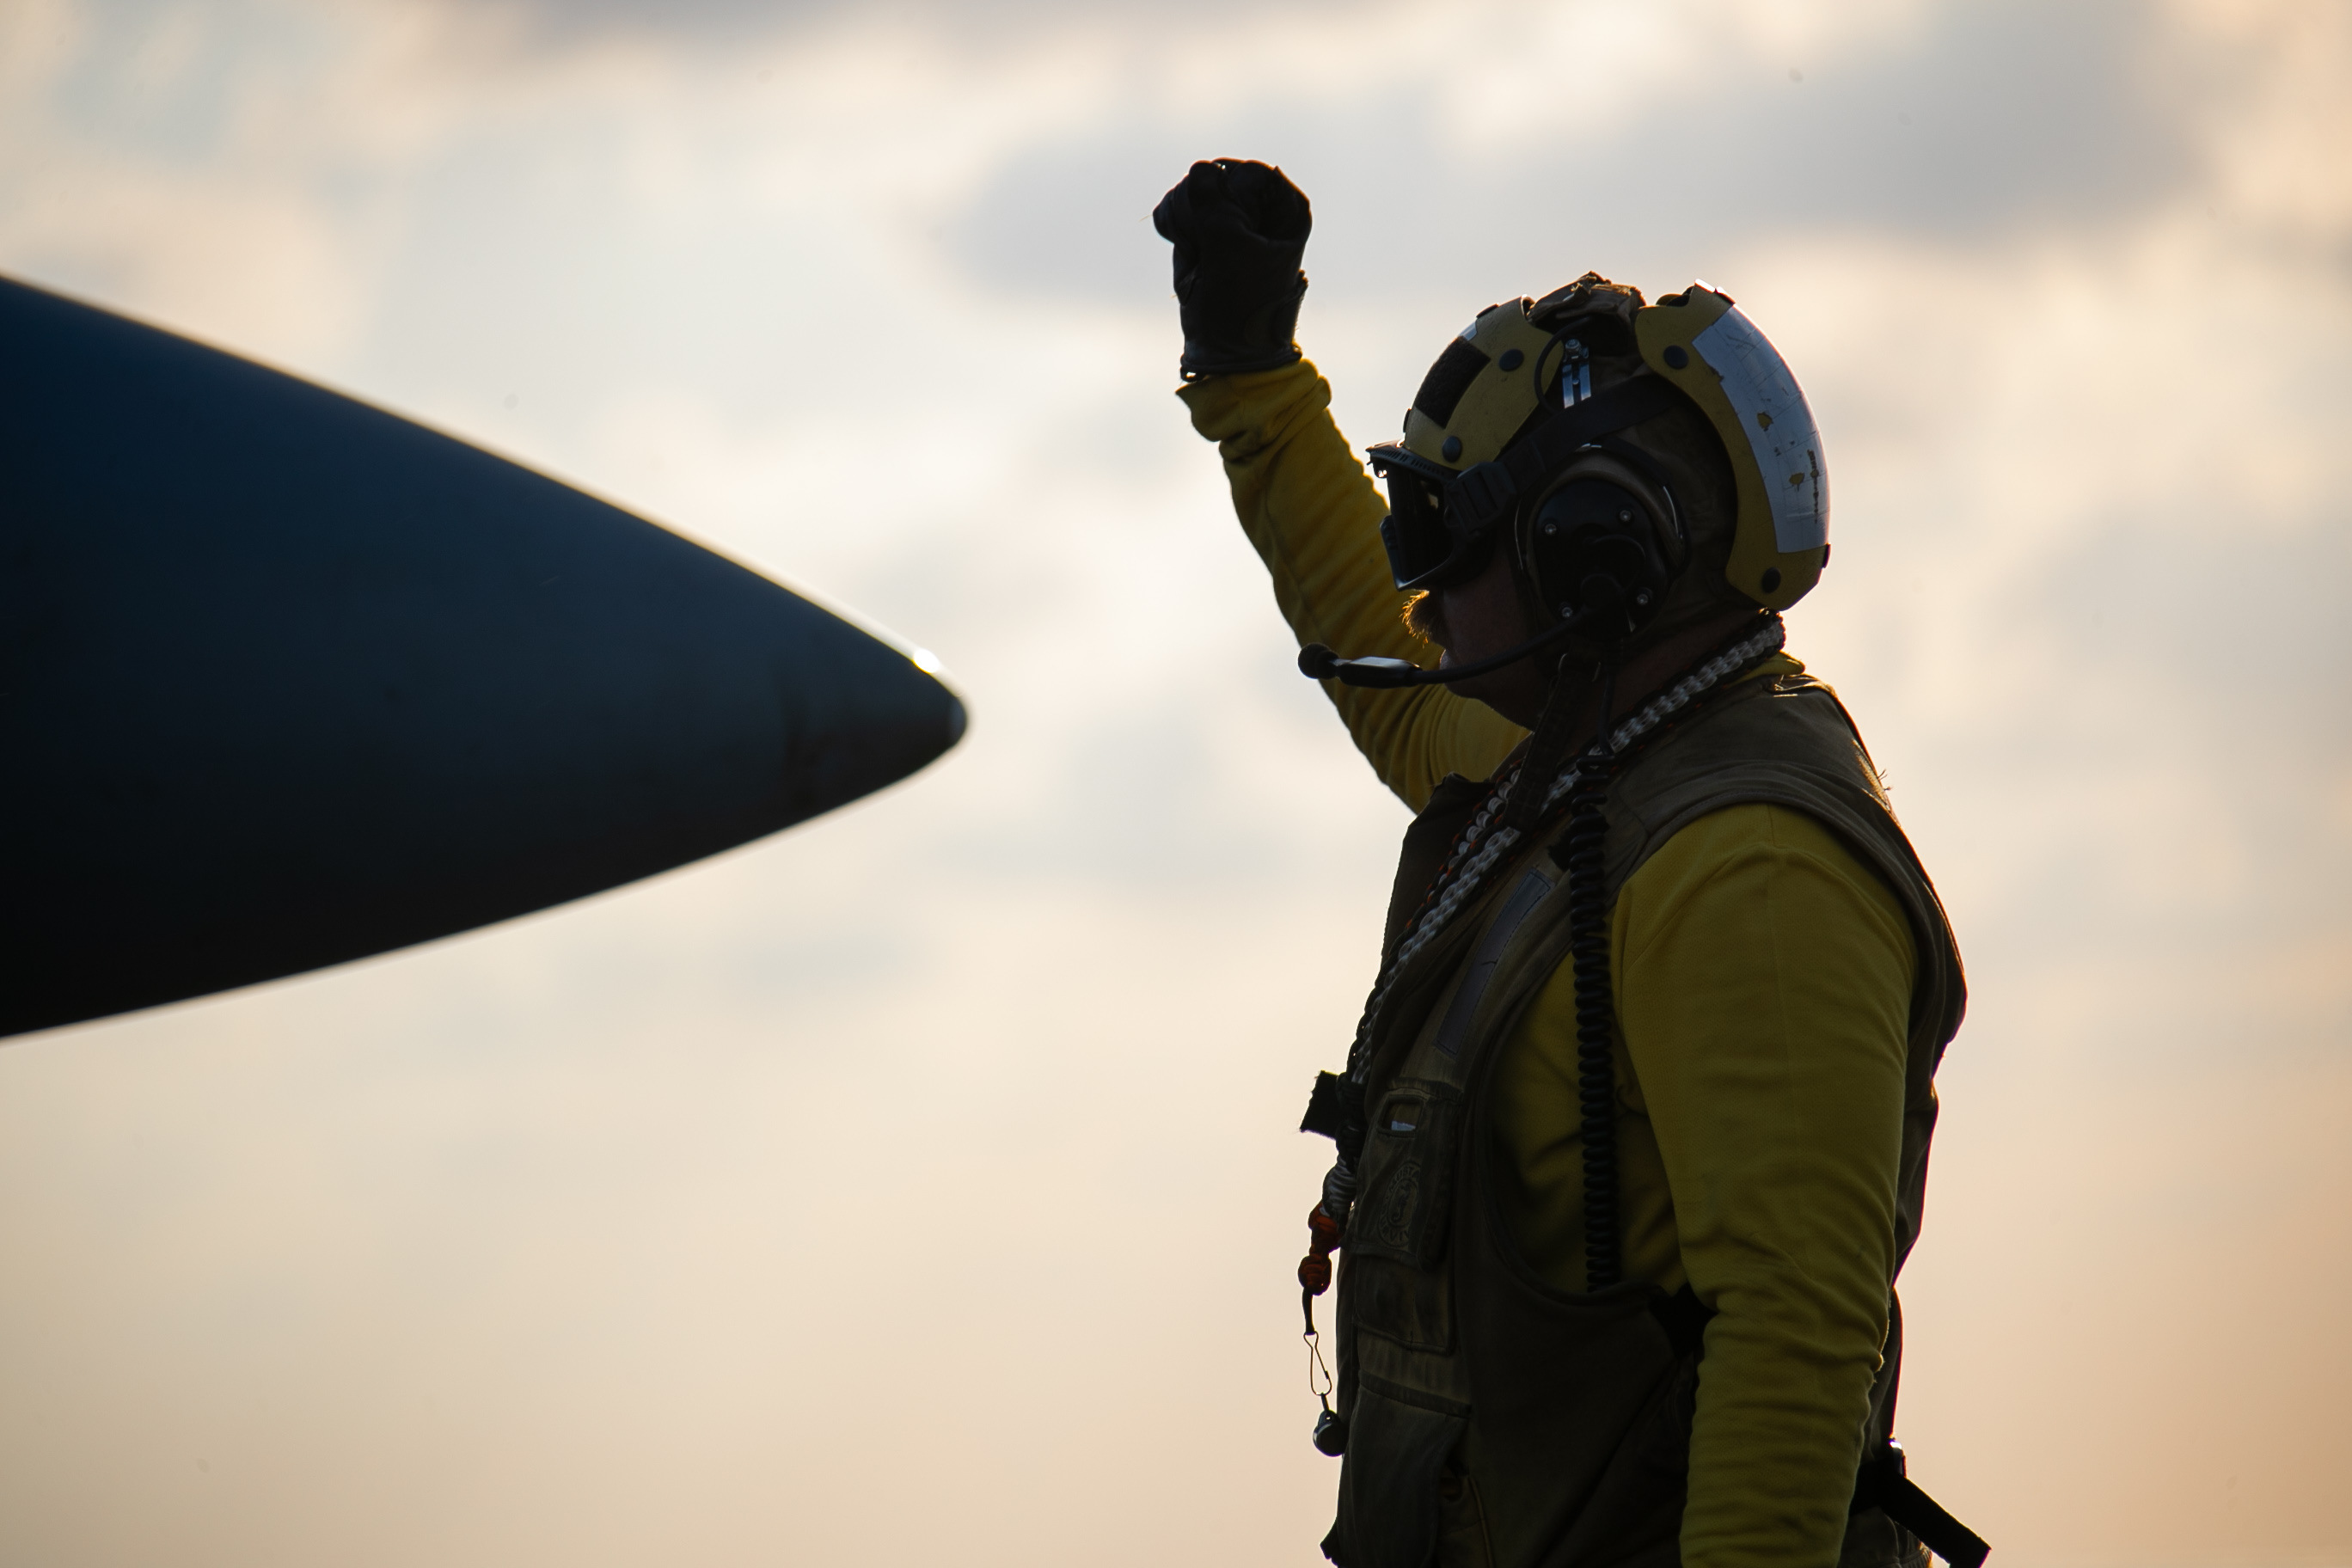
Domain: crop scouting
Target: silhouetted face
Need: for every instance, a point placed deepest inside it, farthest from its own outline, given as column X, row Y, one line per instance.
column 1477, row 618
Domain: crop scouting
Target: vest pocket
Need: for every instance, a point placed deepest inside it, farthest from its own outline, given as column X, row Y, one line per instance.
column 1396, row 1230
column 1406, row 1196
column 1411, row 1305
column 1389, row 1511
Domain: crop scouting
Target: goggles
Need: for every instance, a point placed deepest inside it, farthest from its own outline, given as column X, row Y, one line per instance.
column 1426, row 546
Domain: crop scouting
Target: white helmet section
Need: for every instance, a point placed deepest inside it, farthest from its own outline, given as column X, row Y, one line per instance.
column 1779, row 425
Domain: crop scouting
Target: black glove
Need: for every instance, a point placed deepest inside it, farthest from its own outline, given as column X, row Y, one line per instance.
column 1239, row 229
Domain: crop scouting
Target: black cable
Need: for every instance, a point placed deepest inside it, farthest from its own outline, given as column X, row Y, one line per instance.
column 1558, row 337
column 1596, row 1008
column 1547, row 755
column 1379, row 673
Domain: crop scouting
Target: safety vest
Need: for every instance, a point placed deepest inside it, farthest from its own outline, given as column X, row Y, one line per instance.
column 1582, row 1402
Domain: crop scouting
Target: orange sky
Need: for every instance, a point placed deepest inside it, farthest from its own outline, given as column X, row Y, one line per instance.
column 921, row 1183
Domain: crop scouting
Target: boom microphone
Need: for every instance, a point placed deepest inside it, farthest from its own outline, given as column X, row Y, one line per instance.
column 1317, row 662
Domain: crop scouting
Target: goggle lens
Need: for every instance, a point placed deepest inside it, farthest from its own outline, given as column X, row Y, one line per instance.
column 1414, row 532
column 1424, row 548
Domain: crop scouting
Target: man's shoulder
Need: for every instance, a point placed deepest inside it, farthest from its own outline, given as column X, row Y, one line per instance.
column 1782, row 739
column 1777, row 729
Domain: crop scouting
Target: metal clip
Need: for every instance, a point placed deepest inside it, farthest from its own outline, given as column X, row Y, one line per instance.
column 1575, row 373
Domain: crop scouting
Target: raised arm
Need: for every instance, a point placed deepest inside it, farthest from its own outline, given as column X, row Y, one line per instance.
column 1304, row 498
column 1312, row 514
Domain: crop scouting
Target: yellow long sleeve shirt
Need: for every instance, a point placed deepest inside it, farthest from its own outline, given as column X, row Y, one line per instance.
column 1763, row 979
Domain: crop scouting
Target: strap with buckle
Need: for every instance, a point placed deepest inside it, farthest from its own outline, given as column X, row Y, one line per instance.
column 1882, row 1484
column 1481, row 495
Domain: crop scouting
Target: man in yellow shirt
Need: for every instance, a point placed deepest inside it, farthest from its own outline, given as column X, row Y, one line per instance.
column 1633, row 1138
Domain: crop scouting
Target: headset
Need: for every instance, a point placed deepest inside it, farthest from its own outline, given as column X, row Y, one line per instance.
column 1491, row 455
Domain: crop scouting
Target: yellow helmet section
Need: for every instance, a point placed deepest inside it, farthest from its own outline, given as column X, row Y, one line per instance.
column 1699, row 341
column 1490, row 400
column 1483, row 389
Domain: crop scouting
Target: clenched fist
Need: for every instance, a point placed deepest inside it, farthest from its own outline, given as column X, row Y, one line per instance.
column 1239, row 229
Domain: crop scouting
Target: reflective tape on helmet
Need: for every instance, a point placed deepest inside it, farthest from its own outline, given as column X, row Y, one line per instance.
column 1779, row 425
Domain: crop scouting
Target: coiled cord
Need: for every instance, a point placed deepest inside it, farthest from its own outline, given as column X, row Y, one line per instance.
column 1596, row 1012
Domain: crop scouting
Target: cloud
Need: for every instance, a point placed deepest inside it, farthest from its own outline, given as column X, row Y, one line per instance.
column 1972, row 126
column 759, row 1204
column 1002, row 23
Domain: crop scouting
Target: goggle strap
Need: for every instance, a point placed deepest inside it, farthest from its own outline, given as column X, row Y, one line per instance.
column 1483, row 494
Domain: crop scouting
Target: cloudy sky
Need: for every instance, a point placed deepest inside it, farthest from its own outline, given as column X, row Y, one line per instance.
column 920, row 1185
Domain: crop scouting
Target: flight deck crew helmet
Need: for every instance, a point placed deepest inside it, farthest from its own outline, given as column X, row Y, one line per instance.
column 1564, row 428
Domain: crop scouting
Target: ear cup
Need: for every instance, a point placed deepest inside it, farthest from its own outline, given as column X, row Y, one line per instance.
column 1591, row 550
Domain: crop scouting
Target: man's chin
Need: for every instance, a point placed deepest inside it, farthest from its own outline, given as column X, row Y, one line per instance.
column 1448, row 660
column 1478, row 688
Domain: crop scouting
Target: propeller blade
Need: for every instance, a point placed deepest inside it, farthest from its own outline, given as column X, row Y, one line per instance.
column 286, row 680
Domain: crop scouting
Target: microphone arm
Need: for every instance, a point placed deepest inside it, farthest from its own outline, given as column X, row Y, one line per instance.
column 1317, row 662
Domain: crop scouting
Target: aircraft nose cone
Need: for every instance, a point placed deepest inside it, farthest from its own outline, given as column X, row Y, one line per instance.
column 290, row 681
